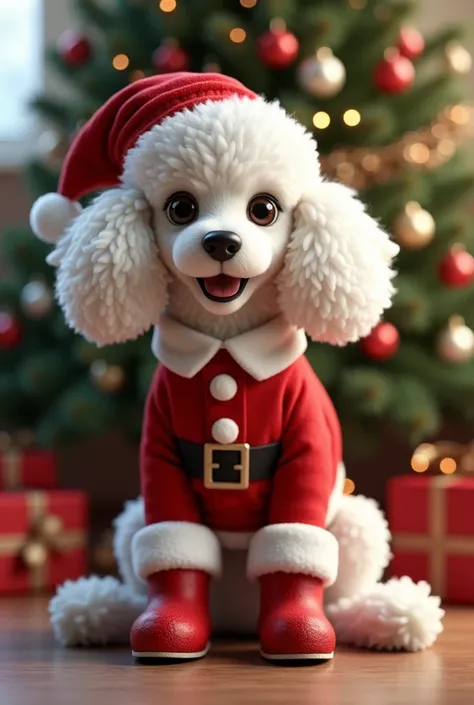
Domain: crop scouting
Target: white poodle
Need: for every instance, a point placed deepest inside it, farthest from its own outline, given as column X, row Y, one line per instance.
column 218, row 229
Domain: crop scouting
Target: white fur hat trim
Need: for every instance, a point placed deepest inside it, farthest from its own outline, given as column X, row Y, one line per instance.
column 51, row 215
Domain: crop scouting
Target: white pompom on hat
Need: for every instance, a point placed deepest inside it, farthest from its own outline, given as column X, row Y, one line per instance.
column 51, row 215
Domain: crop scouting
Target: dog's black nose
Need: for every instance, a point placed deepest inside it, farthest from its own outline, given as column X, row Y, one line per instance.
column 221, row 245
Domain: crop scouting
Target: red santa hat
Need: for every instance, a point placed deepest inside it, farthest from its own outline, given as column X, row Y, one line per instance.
column 96, row 157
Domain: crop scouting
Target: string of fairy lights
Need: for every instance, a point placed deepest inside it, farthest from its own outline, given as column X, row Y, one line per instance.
column 444, row 457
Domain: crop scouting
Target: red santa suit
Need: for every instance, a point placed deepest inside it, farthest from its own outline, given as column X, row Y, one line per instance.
column 251, row 392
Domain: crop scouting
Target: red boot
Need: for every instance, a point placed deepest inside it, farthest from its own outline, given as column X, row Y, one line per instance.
column 176, row 623
column 292, row 622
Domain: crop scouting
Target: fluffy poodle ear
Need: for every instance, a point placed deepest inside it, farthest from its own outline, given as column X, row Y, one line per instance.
column 111, row 283
column 337, row 277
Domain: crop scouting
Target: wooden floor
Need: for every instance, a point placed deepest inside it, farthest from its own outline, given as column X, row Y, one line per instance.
column 34, row 671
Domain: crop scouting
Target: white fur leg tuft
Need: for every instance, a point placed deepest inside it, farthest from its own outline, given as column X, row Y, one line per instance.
column 126, row 525
column 51, row 215
column 363, row 536
column 94, row 611
column 397, row 615
column 293, row 548
column 175, row 544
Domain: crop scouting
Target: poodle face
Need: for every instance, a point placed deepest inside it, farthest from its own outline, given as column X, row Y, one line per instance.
column 223, row 193
column 232, row 244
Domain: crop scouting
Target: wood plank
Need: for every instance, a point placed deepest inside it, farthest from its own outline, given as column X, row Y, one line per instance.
column 36, row 671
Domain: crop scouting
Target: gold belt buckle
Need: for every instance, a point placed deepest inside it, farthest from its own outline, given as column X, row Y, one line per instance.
column 243, row 467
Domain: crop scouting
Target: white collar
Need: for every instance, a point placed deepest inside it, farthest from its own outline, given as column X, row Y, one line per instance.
column 261, row 352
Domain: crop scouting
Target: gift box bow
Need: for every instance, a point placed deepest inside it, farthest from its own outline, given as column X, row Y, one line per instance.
column 44, row 536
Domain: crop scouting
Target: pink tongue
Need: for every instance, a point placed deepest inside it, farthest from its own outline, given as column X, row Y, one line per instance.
column 222, row 285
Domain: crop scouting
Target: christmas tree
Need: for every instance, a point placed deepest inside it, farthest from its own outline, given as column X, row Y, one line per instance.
column 387, row 111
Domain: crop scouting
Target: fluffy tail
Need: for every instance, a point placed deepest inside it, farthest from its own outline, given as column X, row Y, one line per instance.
column 94, row 612
column 395, row 615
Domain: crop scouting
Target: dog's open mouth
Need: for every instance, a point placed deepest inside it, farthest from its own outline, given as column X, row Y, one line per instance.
column 222, row 288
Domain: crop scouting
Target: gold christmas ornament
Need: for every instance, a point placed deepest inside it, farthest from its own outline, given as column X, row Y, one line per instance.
column 36, row 299
column 455, row 344
column 457, row 58
column 322, row 75
column 108, row 378
column 53, row 146
column 423, row 150
column 414, row 227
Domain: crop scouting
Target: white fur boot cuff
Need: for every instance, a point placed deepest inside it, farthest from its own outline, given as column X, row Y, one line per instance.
column 175, row 544
column 294, row 548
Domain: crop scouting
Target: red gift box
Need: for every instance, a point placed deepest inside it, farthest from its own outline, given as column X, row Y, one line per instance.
column 27, row 469
column 432, row 522
column 42, row 539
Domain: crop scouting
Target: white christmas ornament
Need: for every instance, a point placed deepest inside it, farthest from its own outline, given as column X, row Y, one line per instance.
column 322, row 75
column 36, row 299
column 455, row 344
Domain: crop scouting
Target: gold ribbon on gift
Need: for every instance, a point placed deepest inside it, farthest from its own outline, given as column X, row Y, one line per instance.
column 11, row 447
column 436, row 542
column 45, row 535
column 11, row 469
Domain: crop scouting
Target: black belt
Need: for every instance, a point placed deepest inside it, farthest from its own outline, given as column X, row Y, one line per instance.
column 228, row 467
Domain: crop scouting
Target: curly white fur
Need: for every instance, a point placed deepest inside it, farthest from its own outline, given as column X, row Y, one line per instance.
column 246, row 145
column 111, row 283
column 336, row 282
column 126, row 525
column 94, row 612
column 363, row 536
column 399, row 614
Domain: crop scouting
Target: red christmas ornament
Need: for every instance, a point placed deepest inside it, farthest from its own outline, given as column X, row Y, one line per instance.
column 456, row 269
column 170, row 57
column 10, row 331
column 394, row 73
column 277, row 48
column 382, row 343
column 410, row 43
column 74, row 49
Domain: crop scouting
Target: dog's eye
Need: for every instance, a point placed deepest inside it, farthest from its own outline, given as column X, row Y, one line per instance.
column 263, row 210
column 181, row 208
